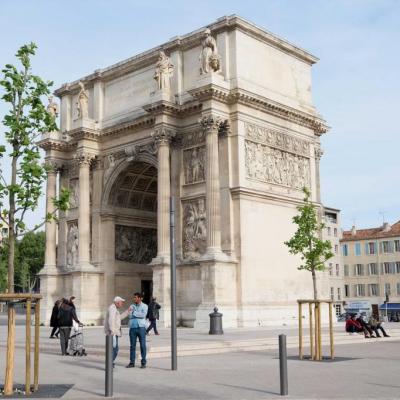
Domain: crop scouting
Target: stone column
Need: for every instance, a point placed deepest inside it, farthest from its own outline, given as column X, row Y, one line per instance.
column 62, row 224
column 162, row 137
column 211, row 125
column 84, row 160
column 51, row 226
column 318, row 154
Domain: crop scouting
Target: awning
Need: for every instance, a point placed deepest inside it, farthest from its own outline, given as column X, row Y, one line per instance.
column 390, row 306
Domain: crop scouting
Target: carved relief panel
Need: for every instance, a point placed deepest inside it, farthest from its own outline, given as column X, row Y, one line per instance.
column 135, row 244
column 275, row 157
column 74, row 196
column 72, row 244
column 193, row 164
column 194, row 232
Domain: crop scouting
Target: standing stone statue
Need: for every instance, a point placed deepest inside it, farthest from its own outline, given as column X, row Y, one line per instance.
column 82, row 104
column 209, row 58
column 164, row 72
column 52, row 107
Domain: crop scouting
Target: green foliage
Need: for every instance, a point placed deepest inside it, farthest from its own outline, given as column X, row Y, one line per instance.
column 26, row 120
column 28, row 261
column 307, row 242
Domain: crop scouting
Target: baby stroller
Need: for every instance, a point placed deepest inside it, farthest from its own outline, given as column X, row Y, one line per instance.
column 76, row 344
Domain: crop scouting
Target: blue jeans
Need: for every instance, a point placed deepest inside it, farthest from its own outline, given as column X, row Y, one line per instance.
column 115, row 347
column 141, row 334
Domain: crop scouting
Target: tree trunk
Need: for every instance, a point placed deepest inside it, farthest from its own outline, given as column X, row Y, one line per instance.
column 314, row 278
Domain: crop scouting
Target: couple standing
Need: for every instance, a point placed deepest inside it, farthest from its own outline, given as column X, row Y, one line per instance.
column 137, row 312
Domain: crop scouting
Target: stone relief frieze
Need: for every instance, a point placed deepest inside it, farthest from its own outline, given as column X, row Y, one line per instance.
column 194, row 233
column 72, row 245
column 193, row 138
column 74, row 196
column 193, row 164
column 277, row 139
column 276, row 166
column 135, row 244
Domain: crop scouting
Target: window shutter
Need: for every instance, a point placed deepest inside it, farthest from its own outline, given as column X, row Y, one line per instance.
column 366, row 248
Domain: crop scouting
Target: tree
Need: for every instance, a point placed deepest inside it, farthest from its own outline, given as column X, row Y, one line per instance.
column 307, row 242
column 24, row 123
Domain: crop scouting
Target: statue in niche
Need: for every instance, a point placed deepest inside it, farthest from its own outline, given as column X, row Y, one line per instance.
column 72, row 245
column 52, row 107
column 82, row 104
column 209, row 58
column 194, row 228
column 164, row 72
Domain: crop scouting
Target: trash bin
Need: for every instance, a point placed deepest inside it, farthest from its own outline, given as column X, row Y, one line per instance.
column 216, row 323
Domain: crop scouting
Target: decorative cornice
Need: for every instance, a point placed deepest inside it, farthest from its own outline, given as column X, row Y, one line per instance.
column 135, row 124
column 84, row 133
column 54, row 144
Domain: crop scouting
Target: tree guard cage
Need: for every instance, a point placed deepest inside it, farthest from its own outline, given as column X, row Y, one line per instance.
column 314, row 316
column 30, row 301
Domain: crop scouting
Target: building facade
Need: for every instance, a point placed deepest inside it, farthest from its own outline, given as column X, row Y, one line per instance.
column 371, row 260
column 334, row 272
column 221, row 119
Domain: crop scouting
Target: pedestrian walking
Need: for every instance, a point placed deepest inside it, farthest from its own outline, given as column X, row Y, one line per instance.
column 137, row 330
column 153, row 315
column 54, row 320
column 66, row 314
column 112, row 323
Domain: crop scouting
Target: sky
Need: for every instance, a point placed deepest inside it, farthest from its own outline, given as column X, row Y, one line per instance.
column 356, row 83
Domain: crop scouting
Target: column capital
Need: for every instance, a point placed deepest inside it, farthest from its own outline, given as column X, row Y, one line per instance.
column 211, row 123
column 163, row 135
column 53, row 165
column 318, row 152
column 84, row 157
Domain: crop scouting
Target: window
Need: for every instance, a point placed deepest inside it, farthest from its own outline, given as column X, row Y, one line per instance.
column 357, row 249
column 373, row 289
column 336, row 249
column 398, row 267
column 335, row 234
column 371, row 248
column 329, row 230
column 337, row 270
column 397, row 245
column 398, row 288
column 339, row 293
column 330, row 269
column 387, row 247
column 346, row 291
column 389, row 268
column 387, row 289
column 360, row 290
column 4, row 232
column 359, row 270
column 332, row 293
column 345, row 250
column 373, row 269
column 346, row 270
column 338, row 309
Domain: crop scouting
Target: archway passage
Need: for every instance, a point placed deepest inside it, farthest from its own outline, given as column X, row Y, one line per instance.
column 136, row 188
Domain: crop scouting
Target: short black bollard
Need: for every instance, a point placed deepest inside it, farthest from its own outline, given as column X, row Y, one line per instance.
column 283, row 365
column 109, row 366
column 216, row 323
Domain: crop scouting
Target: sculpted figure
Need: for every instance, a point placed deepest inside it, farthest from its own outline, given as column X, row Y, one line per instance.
column 164, row 72
column 82, row 104
column 209, row 58
column 52, row 108
column 73, row 243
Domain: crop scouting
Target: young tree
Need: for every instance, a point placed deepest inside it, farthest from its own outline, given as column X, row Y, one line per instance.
column 24, row 123
column 307, row 242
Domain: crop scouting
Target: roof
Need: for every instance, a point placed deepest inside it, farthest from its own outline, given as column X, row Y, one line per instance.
column 372, row 233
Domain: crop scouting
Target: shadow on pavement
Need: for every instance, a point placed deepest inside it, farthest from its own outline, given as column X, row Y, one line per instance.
column 53, row 391
column 247, row 388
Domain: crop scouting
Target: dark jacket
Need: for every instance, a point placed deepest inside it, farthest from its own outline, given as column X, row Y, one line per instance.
column 54, row 317
column 66, row 314
column 152, row 313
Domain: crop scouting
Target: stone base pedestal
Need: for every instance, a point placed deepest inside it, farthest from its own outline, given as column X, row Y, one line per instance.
column 162, row 292
column 50, row 288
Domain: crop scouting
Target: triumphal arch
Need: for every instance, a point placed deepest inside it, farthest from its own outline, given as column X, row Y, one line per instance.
column 223, row 120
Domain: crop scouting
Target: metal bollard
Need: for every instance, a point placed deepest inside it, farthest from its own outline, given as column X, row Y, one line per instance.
column 283, row 365
column 216, row 323
column 109, row 366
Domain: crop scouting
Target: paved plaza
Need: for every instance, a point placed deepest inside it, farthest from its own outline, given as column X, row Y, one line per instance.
column 242, row 364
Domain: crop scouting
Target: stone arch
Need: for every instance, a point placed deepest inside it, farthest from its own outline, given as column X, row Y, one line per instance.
column 119, row 169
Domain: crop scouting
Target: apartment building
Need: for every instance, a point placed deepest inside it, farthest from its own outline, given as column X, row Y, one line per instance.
column 334, row 266
column 3, row 233
column 371, row 259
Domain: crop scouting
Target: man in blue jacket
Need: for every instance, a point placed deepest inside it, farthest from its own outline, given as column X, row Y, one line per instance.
column 137, row 329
